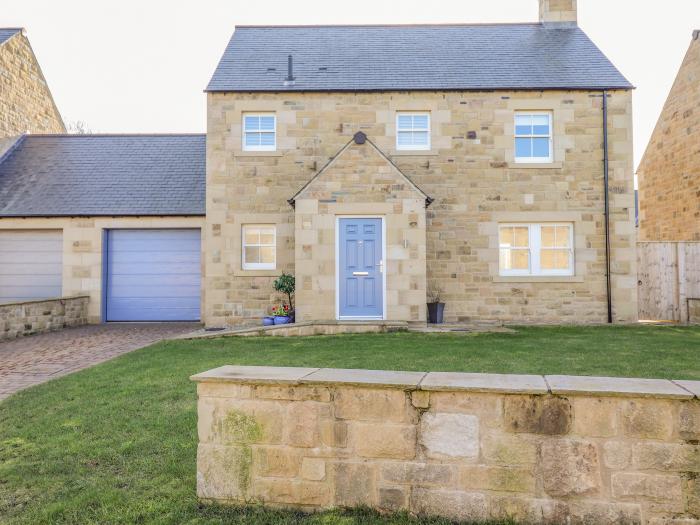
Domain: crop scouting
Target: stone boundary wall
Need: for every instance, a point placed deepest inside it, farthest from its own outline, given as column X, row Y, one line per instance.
column 34, row 317
column 472, row 447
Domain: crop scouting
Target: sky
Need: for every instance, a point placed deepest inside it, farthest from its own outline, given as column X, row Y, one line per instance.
column 142, row 65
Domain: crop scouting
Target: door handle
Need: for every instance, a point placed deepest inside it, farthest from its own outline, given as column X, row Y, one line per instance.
column 381, row 265
column 360, row 273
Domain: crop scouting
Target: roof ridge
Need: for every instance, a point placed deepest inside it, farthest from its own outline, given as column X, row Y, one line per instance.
column 418, row 24
column 107, row 135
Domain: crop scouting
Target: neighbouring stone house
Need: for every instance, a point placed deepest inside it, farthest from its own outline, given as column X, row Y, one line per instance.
column 379, row 164
column 669, row 174
column 26, row 104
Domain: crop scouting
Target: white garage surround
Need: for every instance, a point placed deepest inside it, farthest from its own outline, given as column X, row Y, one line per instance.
column 31, row 265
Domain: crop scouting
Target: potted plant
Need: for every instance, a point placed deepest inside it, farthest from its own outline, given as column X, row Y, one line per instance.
column 285, row 284
column 268, row 320
column 281, row 314
column 436, row 307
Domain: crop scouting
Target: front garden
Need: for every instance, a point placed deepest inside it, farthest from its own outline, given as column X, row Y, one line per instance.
column 117, row 443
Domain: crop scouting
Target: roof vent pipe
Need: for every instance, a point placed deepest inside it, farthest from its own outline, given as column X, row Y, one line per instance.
column 289, row 81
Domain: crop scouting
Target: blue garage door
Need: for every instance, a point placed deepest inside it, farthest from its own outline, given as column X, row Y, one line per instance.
column 153, row 275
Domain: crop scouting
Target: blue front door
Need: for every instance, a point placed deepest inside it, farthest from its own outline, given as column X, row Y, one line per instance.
column 360, row 265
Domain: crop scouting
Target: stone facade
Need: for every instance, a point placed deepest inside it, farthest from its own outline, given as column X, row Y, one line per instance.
column 466, row 447
column 471, row 174
column 35, row 317
column 26, row 104
column 83, row 248
column 360, row 181
column 669, row 181
column 553, row 11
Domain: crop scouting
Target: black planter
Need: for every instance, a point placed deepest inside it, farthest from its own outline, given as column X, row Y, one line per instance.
column 435, row 311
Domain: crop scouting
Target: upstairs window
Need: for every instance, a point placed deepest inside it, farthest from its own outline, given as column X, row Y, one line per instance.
column 533, row 137
column 259, row 247
column 259, row 132
column 413, row 131
column 536, row 249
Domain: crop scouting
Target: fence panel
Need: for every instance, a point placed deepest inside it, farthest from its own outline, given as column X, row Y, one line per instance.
column 669, row 281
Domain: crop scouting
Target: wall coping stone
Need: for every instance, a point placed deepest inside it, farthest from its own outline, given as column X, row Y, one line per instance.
column 691, row 386
column 522, row 384
column 254, row 374
column 448, row 381
column 357, row 377
column 49, row 300
column 616, row 386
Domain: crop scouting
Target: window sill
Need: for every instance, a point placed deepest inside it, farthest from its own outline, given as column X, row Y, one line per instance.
column 414, row 153
column 538, row 279
column 258, row 154
column 535, row 165
column 256, row 273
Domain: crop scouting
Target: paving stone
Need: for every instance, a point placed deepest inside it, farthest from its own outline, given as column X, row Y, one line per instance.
column 36, row 359
column 254, row 374
column 376, row 378
column 520, row 384
column 615, row 386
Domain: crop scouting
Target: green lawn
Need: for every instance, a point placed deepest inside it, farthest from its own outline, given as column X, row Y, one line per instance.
column 116, row 443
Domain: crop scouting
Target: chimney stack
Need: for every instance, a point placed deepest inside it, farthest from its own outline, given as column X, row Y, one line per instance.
column 558, row 12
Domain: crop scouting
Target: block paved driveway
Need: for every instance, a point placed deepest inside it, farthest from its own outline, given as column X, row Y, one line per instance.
column 38, row 358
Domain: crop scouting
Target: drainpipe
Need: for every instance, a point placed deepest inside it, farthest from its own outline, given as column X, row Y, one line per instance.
column 606, row 179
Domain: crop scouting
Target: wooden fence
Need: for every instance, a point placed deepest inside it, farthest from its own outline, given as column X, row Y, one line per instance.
column 669, row 281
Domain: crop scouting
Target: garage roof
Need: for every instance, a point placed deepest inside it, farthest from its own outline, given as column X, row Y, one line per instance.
column 103, row 175
column 414, row 57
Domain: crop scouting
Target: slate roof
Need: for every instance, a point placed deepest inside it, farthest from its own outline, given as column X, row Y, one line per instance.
column 8, row 32
column 414, row 57
column 103, row 175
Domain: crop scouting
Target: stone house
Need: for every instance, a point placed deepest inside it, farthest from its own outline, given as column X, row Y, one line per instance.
column 379, row 165
column 26, row 104
column 669, row 174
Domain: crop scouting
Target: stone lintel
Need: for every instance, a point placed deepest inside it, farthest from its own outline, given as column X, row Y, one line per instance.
column 616, row 386
column 453, row 381
column 505, row 383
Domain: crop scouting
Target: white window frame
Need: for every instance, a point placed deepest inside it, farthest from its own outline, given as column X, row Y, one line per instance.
column 258, row 266
column 534, row 160
column 412, row 147
column 535, row 248
column 246, row 147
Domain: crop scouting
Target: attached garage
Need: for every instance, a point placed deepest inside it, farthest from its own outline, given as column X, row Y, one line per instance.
column 153, row 275
column 31, row 265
